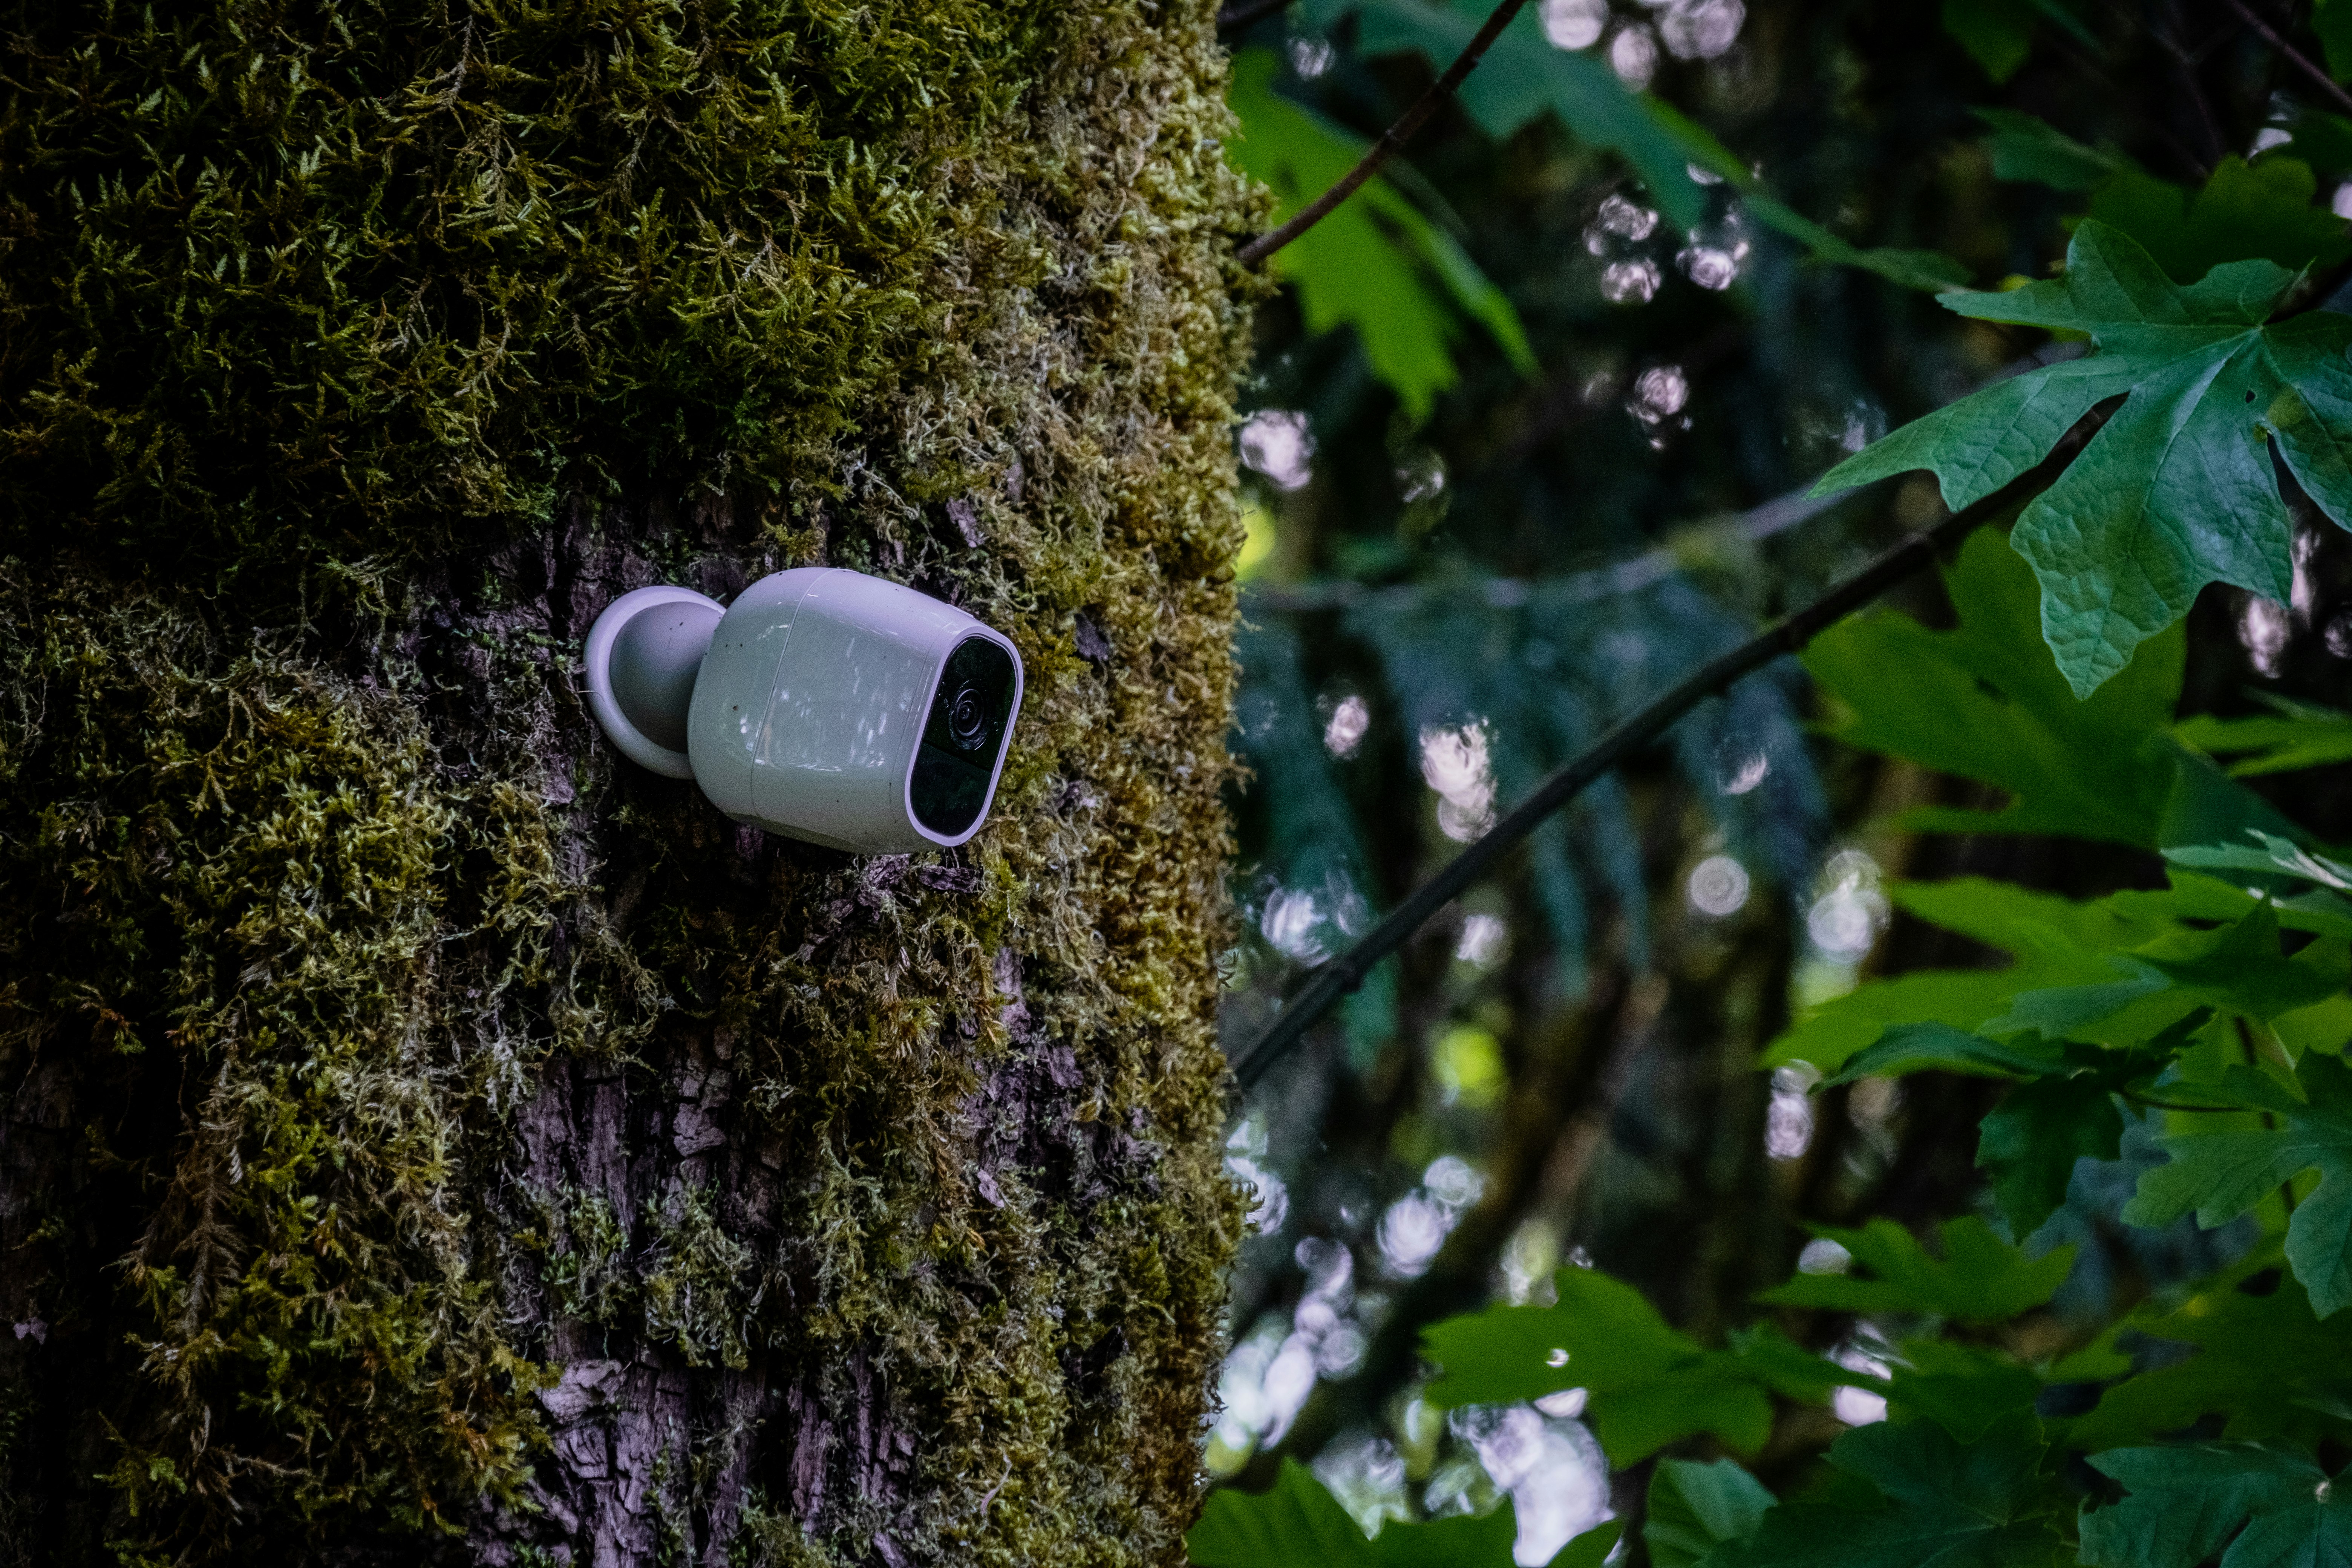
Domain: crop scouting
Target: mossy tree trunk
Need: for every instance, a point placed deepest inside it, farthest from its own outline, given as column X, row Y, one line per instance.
column 423, row 1136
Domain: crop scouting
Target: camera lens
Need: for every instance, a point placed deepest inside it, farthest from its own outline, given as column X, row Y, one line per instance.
column 973, row 702
column 968, row 717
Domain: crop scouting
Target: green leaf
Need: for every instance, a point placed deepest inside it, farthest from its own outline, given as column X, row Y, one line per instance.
column 1980, row 1278
column 1829, row 1035
column 2019, row 920
column 2200, row 898
column 2187, row 1502
column 2263, row 1364
column 2277, row 866
column 1929, row 270
column 1374, row 264
column 1645, row 1385
column 2150, row 1001
column 1962, row 1389
column 2059, row 944
column 2024, row 147
column 1996, row 34
column 2063, row 1010
column 2267, row 853
column 1986, row 700
column 1940, row 1504
column 1922, row 1047
column 1695, row 1507
column 2245, row 211
column 2208, row 806
column 1590, row 1549
column 1298, row 1521
column 2315, row 138
column 1788, row 1368
column 2219, row 1176
column 2297, row 735
column 2029, row 1142
column 1521, row 79
column 2098, row 1361
column 2069, row 980
column 2176, row 491
column 2332, row 20
column 2237, row 969
column 1299, row 1524
column 2323, row 1027
column 2316, row 1529
column 2240, row 968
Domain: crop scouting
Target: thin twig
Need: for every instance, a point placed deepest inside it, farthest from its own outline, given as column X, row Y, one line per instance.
column 1345, row 974
column 1391, row 141
column 2326, row 83
column 1245, row 12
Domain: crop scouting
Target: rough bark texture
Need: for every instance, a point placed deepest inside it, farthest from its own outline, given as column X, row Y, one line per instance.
column 424, row 1137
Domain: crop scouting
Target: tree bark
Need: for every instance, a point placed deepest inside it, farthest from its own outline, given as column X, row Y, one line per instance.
column 426, row 1137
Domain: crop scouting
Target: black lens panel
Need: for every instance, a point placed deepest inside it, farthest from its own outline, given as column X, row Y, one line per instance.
column 963, row 737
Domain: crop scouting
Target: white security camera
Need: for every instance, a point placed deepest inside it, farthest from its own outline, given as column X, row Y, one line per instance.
column 822, row 704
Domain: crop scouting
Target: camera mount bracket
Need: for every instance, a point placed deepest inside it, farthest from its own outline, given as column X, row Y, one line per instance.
column 642, row 657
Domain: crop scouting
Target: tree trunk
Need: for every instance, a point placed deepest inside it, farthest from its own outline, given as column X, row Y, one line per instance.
column 426, row 1136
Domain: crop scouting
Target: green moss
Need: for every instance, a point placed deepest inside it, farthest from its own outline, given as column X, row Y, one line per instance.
column 504, row 256
column 586, row 1267
column 700, row 1296
column 326, row 304
column 773, row 1539
column 235, row 865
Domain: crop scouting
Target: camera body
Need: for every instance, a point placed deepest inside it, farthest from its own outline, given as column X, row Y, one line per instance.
column 825, row 704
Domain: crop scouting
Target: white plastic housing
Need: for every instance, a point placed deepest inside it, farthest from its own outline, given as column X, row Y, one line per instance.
column 813, row 701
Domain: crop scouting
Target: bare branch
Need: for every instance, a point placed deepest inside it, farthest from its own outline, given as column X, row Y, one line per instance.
column 2295, row 57
column 1391, row 141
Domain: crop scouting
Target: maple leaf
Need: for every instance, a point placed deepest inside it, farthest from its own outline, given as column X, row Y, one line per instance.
column 2187, row 1503
column 1646, row 1385
column 2177, row 490
column 2221, row 1175
column 1933, row 1502
column 1298, row 1524
column 1980, row 1279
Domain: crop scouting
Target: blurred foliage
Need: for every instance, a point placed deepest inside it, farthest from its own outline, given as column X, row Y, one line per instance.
column 1370, row 264
column 1921, row 1138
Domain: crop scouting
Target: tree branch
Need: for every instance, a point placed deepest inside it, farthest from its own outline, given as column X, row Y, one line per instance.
column 2326, row 83
column 1343, row 974
column 1391, row 141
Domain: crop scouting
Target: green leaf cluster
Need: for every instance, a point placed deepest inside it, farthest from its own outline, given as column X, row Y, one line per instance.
column 1522, row 80
column 1646, row 1386
column 2177, row 490
column 1375, row 264
column 1998, row 33
column 2198, row 1426
column 2187, row 1031
column 2263, row 208
column 1299, row 1523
